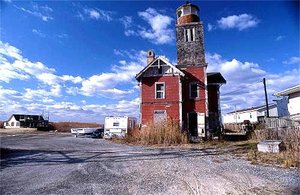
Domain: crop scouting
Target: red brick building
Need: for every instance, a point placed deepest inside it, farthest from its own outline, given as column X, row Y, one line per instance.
column 184, row 92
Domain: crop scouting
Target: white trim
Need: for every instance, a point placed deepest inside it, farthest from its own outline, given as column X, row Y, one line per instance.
column 164, row 92
column 141, row 101
column 166, row 62
column 288, row 91
column 180, row 103
column 206, row 98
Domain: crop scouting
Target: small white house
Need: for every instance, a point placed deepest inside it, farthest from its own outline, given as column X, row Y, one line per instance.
column 293, row 95
column 252, row 114
column 23, row 120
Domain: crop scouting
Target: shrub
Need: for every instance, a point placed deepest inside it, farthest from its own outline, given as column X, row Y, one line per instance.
column 164, row 133
column 291, row 140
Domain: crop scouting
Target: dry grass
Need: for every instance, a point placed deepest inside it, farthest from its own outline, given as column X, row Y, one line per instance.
column 164, row 133
column 288, row 158
column 66, row 126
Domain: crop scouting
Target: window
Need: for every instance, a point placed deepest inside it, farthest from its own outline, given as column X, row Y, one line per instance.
column 189, row 34
column 116, row 124
column 250, row 115
column 12, row 124
column 179, row 13
column 159, row 116
column 17, row 123
column 186, row 10
column 159, row 90
column 194, row 90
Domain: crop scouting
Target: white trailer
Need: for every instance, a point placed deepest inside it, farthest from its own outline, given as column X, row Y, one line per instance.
column 118, row 126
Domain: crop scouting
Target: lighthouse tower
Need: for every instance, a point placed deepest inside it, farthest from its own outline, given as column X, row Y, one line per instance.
column 189, row 36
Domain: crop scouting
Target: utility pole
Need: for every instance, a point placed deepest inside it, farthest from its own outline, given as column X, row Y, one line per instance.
column 266, row 96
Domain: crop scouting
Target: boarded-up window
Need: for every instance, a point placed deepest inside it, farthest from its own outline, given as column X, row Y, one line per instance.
column 159, row 116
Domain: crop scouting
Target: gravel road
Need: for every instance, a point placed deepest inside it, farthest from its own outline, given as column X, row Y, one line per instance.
column 61, row 164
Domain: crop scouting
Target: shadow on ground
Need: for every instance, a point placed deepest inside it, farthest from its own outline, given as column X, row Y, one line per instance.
column 15, row 157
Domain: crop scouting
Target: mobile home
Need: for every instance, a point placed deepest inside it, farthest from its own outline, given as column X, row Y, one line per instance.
column 118, row 126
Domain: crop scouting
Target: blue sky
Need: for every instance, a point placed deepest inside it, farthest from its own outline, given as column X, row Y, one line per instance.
column 77, row 60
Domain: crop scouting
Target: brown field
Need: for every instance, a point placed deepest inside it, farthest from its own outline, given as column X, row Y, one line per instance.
column 66, row 126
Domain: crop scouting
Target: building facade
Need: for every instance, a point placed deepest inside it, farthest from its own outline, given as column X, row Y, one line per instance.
column 254, row 114
column 293, row 104
column 25, row 121
column 184, row 92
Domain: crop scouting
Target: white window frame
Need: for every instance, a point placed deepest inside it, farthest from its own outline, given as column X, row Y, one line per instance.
column 190, row 90
column 189, row 34
column 163, row 92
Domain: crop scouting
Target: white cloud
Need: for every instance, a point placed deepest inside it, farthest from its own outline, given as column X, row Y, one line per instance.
column 42, row 12
column 39, row 33
column 292, row 60
column 279, row 38
column 16, row 67
column 161, row 31
column 244, row 87
column 97, row 14
column 210, row 27
column 240, row 22
column 53, row 89
column 127, row 21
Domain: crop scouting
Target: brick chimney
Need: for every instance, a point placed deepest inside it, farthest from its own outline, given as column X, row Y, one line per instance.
column 150, row 56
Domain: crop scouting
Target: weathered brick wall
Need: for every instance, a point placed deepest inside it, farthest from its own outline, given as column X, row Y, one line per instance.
column 190, row 53
column 193, row 74
column 188, row 19
column 170, row 103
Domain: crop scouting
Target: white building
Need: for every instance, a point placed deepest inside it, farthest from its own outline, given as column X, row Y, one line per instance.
column 252, row 114
column 24, row 121
column 293, row 95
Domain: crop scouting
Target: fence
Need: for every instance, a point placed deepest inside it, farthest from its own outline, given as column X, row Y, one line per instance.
column 281, row 123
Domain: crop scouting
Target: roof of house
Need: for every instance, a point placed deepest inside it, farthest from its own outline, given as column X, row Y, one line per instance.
column 138, row 76
column 288, row 91
column 252, row 108
column 215, row 78
column 26, row 116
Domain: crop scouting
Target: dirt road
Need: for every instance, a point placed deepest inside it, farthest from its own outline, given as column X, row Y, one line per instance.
column 61, row 164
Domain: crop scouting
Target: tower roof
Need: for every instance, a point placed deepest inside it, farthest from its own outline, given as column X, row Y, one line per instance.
column 187, row 13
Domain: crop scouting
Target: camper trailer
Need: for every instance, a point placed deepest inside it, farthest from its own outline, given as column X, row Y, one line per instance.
column 118, row 126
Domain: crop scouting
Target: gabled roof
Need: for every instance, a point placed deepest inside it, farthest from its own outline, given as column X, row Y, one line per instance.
column 138, row 76
column 288, row 91
column 25, row 116
column 215, row 78
column 252, row 108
